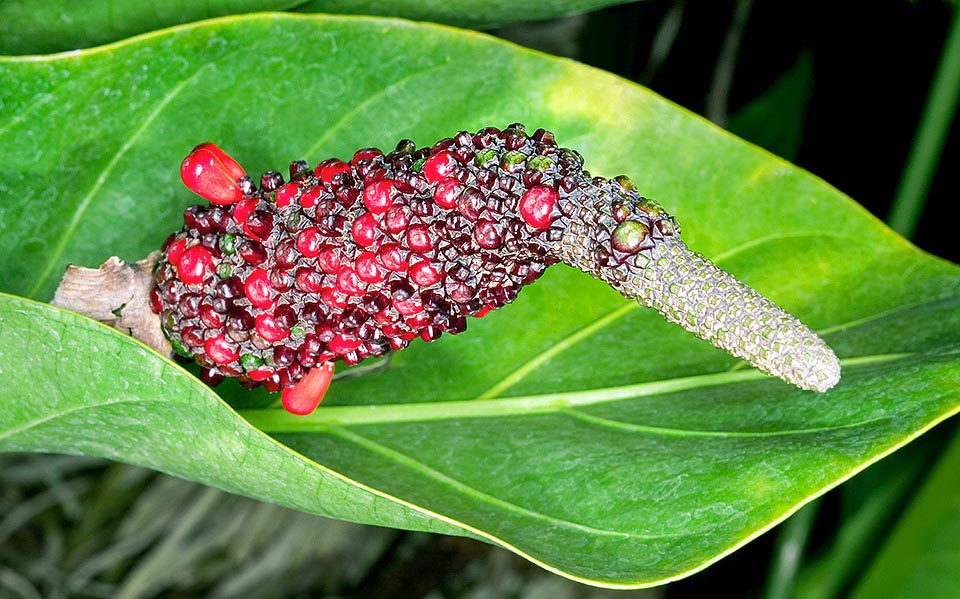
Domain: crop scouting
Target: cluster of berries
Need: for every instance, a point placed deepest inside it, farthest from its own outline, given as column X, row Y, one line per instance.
column 349, row 260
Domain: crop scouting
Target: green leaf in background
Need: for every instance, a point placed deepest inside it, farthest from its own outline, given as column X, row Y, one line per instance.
column 572, row 427
column 774, row 121
column 44, row 26
column 919, row 558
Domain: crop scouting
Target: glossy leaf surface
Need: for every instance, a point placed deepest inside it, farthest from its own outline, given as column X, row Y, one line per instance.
column 571, row 426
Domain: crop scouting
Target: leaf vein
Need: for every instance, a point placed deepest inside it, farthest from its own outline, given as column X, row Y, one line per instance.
column 461, row 487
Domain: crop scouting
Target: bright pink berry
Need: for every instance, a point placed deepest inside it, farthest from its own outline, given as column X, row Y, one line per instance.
column 440, row 165
column 211, row 174
column 537, row 205
column 194, row 265
column 286, row 194
column 378, row 196
column 220, row 350
column 308, row 242
column 258, row 289
column 328, row 169
column 447, row 193
column 418, row 239
column 268, row 329
column 424, row 273
column 364, row 230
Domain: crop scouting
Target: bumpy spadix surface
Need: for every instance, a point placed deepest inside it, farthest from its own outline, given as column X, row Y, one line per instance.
column 350, row 260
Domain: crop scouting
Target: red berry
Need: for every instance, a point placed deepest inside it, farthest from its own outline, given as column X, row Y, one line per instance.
column 365, row 154
column 304, row 397
column 487, row 234
column 308, row 281
column 286, row 194
column 333, row 298
column 210, row 317
column 328, row 259
column 309, row 199
column 175, row 250
column 220, row 350
column 308, row 242
column 440, row 165
column 424, row 273
column 408, row 306
column 155, row 304
column 258, row 289
column 364, row 230
column 378, row 196
column 349, row 282
column 342, row 345
column 211, row 174
column 258, row 225
column 418, row 239
column 328, row 169
column 243, row 209
column 447, row 193
column 396, row 219
column 260, row 374
column 392, row 257
column 537, row 205
column 194, row 265
column 268, row 329
column 367, row 268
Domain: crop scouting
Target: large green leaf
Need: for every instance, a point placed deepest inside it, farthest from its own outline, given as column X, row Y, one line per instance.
column 572, row 426
column 40, row 26
column 922, row 554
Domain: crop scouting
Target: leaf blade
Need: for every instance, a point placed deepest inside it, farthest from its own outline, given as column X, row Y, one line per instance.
column 783, row 231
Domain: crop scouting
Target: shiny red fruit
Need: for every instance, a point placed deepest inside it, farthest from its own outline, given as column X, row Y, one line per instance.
column 286, row 194
column 537, row 206
column 447, row 193
column 211, row 174
column 194, row 264
column 220, row 350
column 439, row 166
column 258, row 289
column 328, row 169
column 378, row 196
column 268, row 329
column 304, row 397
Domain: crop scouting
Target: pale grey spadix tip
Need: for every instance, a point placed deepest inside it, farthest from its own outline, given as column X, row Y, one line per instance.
column 689, row 290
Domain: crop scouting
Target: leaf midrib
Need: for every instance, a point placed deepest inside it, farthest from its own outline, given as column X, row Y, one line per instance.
column 275, row 420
